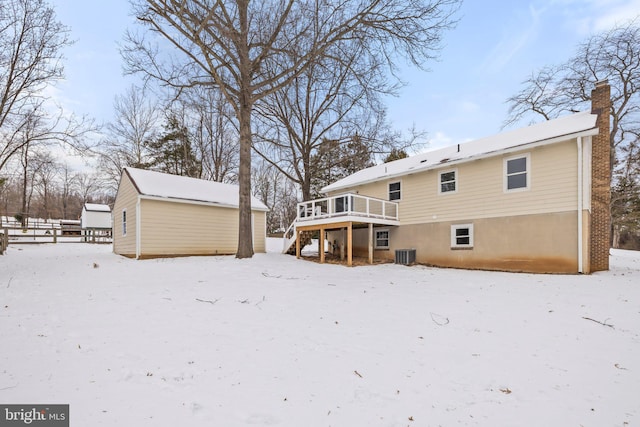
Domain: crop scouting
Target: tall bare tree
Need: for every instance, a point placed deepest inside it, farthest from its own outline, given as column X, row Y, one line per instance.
column 136, row 121
column 214, row 133
column 31, row 43
column 336, row 99
column 612, row 55
column 251, row 49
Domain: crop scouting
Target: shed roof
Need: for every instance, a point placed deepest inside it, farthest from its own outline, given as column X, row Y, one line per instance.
column 561, row 129
column 163, row 185
column 95, row 207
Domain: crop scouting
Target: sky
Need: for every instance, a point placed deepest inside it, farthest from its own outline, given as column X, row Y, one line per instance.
column 494, row 47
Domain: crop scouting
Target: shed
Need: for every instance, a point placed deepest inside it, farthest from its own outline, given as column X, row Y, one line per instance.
column 95, row 216
column 95, row 220
column 163, row 215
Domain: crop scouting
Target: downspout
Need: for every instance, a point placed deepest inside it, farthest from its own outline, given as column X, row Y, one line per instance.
column 138, row 230
column 580, row 197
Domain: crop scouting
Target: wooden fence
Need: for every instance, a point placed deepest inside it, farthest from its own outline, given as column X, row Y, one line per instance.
column 66, row 234
column 4, row 240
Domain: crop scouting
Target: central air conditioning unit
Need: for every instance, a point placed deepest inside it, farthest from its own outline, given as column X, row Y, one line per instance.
column 405, row 256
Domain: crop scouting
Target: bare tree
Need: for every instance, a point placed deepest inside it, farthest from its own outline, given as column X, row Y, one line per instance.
column 137, row 121
column 249, row 50
column 613, row 55
column 88, row 185
column 68, row 187
column 277, row 192
column 335, row 99
column 31, row 43
column 45, row 179
column 214, row 133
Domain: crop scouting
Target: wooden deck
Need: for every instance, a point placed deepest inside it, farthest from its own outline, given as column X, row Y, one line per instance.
column 340, row 212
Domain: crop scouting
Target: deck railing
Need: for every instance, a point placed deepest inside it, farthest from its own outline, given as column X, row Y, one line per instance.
column 347, row 204
column 337, row 206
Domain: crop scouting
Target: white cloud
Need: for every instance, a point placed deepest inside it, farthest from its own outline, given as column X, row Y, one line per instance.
column 516, row 37
column 591, row 16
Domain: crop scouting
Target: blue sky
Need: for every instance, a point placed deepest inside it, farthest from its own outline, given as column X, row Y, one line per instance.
column 494, row 47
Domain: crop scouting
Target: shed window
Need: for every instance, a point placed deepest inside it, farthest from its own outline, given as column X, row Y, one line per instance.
column 517, row 173
column 124, row 222
column 382, row 239
column 394, row 191
column 462, row 236
column 448, row 182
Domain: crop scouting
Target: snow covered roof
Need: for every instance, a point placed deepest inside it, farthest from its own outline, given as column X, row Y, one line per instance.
column 94, row 207
column 561, row 129
column 158, row 184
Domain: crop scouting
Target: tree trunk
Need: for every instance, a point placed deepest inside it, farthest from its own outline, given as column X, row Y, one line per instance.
column 23, row 213
column 245, row 235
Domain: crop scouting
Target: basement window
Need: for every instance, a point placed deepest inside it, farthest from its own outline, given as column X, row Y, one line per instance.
column 462, row 236
column 382, row 239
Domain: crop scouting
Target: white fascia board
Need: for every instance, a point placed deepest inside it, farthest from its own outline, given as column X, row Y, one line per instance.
column 195, row 202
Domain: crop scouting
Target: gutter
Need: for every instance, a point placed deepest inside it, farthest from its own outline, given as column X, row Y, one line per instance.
column 138, row 230
column 580, row 202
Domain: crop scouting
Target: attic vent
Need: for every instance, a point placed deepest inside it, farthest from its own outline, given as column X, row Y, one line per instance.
column 444, row 160
column 423, row 161
column 405, row 256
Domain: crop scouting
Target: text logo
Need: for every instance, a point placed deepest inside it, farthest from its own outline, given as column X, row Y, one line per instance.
column 34, row 415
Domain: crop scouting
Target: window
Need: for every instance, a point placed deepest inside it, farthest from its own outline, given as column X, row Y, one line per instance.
column 124, row 222
column 394, row 190
column 516, row 173
column 382, row 239
column 342, row 204
column 448, row 182
column 462, row 236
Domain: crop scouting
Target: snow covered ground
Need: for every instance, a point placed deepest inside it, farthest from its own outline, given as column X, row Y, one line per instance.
column 216, row 341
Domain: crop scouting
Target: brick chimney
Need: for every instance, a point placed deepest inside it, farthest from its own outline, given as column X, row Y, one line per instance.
column 601, row 179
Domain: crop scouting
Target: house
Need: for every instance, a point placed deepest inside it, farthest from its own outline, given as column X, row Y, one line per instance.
column 95, row 220
column 534, row 199
column 160, row 215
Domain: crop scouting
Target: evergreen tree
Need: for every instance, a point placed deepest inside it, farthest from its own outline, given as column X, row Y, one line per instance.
column 172, row 151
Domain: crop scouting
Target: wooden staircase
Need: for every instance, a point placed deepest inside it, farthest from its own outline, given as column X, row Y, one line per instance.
column 290, row 239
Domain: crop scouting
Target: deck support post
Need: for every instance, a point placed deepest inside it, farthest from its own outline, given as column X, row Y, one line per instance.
column 297, row 243
column 370, row 243
column 350, row 244
column 321, row 245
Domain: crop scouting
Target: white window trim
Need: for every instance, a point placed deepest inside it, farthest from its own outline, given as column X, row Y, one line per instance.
column 124, row 218
column 389, row 192
column 375, row 238
column 454, row 243
column 455, row 171
column 505, row 179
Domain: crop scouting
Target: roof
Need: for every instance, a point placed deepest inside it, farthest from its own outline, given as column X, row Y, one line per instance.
column 163, row 185
column 94, row 207
column 561, row 129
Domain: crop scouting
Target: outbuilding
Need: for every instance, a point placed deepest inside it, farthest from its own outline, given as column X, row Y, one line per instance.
column 162, row 215
column 95, row 222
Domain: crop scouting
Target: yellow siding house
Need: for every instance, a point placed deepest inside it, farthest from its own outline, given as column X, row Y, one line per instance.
column 160, row 215
column 534, row 199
